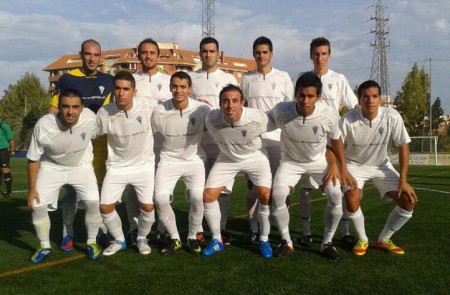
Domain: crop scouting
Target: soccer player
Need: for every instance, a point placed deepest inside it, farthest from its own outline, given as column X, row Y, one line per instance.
column 61, row 153
column 237, row 130
column 306, row 126
column 96, row 89
column 263, row 89
column 207, row 83
column 127, row 122
column 151, row 84
column 368, row 134
column 6, row 151
column 336, row 92
column 181, row 121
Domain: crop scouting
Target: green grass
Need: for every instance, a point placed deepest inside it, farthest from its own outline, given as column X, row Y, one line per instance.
column 424, row 269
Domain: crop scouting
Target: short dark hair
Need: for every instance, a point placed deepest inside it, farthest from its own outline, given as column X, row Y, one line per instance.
column 208, row 40
column 92, row 41
column 321, row 41
column 368, row 84
column 125, row 75
column 228, row 88
column 308, row 79
column 148, row 41
column 70, row 92
column 263, row 41
column 182, row 76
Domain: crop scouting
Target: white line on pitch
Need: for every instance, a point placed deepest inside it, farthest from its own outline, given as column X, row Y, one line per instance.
column 431, row 190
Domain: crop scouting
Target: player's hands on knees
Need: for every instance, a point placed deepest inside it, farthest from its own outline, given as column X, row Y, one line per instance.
column 332, row 174
column 33, row 195
column 405, row 188
column 348, row 180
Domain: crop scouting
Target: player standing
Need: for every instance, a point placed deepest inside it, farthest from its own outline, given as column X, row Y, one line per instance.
column 263, row 89
column 336, row 92
column 237, row 131
column 151, row 84
column 306, row 126
column 207, row 83
column 127, row 122
column 368, row 134
column 181, row 121
column 96, row 89
column 6, row 151
column 61, row 153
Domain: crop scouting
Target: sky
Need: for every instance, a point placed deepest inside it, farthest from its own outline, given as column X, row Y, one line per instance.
column 34, row 33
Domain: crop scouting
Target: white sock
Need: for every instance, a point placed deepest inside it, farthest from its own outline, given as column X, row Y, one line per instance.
column 345, row 224
column 92, row 220
column 333, row 211
column 133, row 209
column 252, row 208
column 196, row 212
column 212, row 216
column 358, row 222
column 305, row 210
column 395, row 221
column 114, row 225
column 145, row 223
column 280, row 211
column 69, row 211
column 41, row 222
column 167, row 216
column 263, row 214
column 224, row 204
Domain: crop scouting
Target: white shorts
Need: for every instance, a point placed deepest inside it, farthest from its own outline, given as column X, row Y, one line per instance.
column 224, row 172
column 167, row 175
column 49, row 182
column 307, row 182
column 384, row 178
column 289, row 173
column 114, row 184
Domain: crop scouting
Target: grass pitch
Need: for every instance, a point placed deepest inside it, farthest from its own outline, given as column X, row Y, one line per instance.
column 424, row 269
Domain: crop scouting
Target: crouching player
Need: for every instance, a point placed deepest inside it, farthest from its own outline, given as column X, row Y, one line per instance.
column 61, row 144
column 237, row 131
column 368, row 134
column 306, row 126
column 127, row 122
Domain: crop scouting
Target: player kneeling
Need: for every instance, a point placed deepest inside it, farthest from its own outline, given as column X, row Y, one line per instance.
column 237, row 131
column 61, row 144
column 368, row 134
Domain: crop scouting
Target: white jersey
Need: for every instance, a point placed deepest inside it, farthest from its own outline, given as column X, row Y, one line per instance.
column 130, row 136
column 304, row 139
column 265, row 91
column 153, row 87
column 207, row 86
column 181, row 129
column 336, row 90
column 368, row 142
column 242, row 140
column 60, row 147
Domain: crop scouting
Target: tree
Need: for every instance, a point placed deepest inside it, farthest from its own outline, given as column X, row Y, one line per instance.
column 412, row 100
column 22, row 105
column 436, row 112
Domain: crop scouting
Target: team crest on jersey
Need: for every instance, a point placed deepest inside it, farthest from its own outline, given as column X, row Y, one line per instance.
column 315, row 128
column 273, row 86
column 330, row 85
column 159, row 87
column 192, row 120
column 83, row 135
column 244, row 132
column 381, row 130
column 101, row 88
column 139, row 119
column 217, row 84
